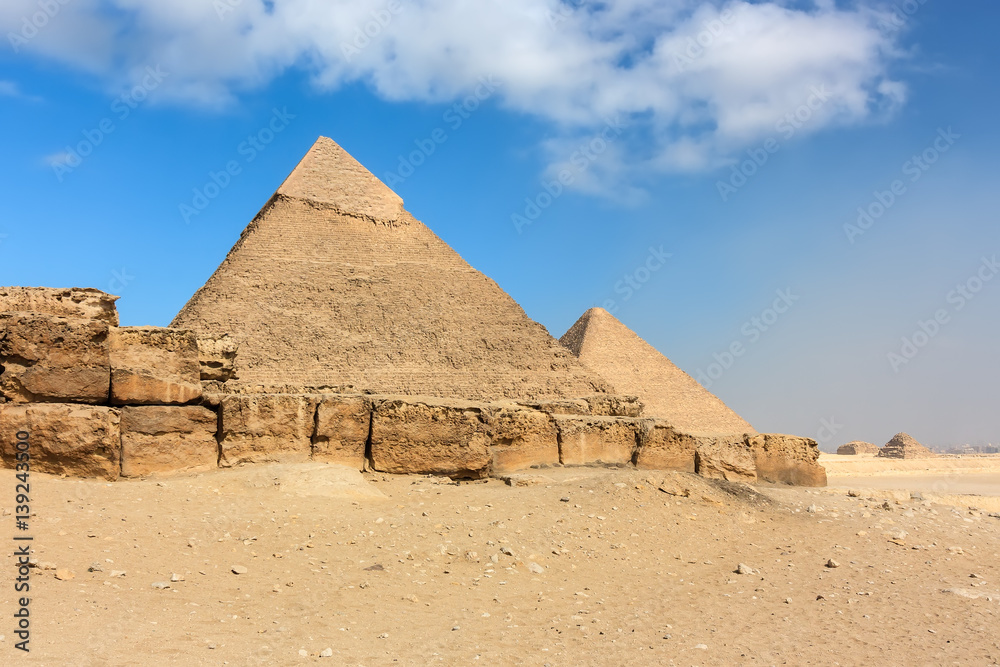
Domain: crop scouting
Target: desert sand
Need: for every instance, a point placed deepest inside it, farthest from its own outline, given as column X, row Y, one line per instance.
column 280, row 564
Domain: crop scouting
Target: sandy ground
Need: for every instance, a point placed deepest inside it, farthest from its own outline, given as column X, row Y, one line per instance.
column 947, row 479
column 987, row 484
column 586, row 567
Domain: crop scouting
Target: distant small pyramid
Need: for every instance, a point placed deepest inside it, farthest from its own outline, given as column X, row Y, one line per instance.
column 903, row 446
column 634, row 367
column 334, row 284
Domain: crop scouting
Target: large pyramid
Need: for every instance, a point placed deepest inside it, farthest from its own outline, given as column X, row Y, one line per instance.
column 615, row 352
column 334, row 284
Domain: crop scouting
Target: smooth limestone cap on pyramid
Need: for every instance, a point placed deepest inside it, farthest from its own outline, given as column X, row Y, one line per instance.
column 335, row 284
column 634, row 367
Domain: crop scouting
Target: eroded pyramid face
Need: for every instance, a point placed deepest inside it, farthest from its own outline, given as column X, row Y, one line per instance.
column 334, row 284
column 634, row 367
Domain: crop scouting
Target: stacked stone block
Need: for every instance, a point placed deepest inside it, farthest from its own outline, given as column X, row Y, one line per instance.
column 75, row 380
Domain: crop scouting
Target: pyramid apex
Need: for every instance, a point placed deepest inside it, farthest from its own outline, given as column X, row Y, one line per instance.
column 330, row 175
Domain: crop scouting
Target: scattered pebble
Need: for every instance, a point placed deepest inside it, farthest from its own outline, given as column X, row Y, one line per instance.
column 832, row 563
column 239, row 569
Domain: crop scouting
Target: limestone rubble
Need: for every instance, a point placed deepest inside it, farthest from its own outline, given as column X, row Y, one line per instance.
column 858, row 447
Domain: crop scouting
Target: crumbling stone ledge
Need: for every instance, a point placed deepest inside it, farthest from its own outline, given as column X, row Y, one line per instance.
column 393, row 434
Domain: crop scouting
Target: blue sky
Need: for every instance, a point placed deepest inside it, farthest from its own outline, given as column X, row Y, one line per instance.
column 647, row 108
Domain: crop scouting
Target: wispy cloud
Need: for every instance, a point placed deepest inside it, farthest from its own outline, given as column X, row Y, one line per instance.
column 698, row 81
column 11, row 89
column 57, row 159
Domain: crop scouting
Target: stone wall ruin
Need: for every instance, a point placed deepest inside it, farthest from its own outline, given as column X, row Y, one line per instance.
column 103, row 401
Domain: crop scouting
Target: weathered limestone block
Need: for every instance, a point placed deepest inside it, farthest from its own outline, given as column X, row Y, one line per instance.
column 258, row 428
column 613, row 405
column 159, row 439
column 430, row 436
column 342, row 427
column 66, row 438
column 74, row 302
column 522, row 438
column 596, row 439
column 46, row 358
column 216, row 356
column 725, row 457
column 787, row 459
column 153, row 365
column 661, row 447
column 560, row 406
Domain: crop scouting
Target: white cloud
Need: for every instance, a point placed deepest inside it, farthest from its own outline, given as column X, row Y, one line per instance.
column 700, row 81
